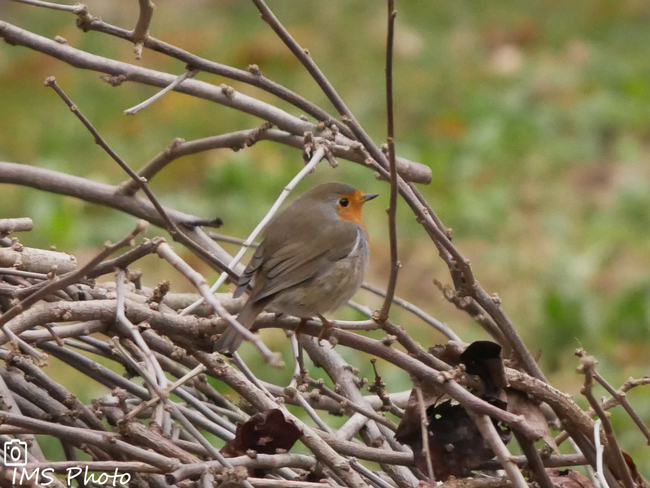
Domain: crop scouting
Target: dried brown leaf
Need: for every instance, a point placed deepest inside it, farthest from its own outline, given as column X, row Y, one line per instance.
column 569, row 479
column 455, row 444
column 520, row 403
column 265, row 433
column 483, row 359
column 636, row 476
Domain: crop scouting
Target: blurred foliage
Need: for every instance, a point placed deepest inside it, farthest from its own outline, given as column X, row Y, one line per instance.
column 534, row 117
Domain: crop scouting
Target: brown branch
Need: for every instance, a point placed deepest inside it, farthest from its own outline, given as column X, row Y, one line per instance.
column 9, row 226
column 238, row 382
column 348, row 384
column 621, row 399
column 36, row 260
column 418, row 312
column 427, row 375
column 260, row 461
column 223, row 95
column 613, row 450
column 100, row 193
column 69, row 278
column 179, row 148
column 109, row 442
column 534, row 460
column 75, row 9
column 166, row 252
column 424, row 427
column 252, row 77
column 141, row 30
column 491, row 437
column 390, row 138
column 8, row 402
column 170, row 225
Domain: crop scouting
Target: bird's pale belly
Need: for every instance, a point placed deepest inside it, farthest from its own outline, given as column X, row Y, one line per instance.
column 325, row 292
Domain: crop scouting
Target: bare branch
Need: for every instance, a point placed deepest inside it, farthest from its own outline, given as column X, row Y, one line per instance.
column 612, row 448
column 77, row 8
column 68, row 278
column 390, row 138
column 141, row 30
column 9, row 226
column 161, row 93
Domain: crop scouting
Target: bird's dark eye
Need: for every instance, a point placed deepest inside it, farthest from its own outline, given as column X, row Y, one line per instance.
column 343, row 202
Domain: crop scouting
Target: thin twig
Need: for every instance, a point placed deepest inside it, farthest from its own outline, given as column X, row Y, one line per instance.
column 167, row 253
column 359, row 408
column 141, row 30
column 418, row 312
column 23, row 274
column 390, row 138
column 60, row 282
column 599, row 454
column 131, row 330
column 315, row 159
column 424, row 427
column 372, row 477
column 621, row 469
column 171, row 226
column 237, row 381
column 178, row 415
column 77, row 8
column 188, row 74
column 621, row 399
column 491, row 436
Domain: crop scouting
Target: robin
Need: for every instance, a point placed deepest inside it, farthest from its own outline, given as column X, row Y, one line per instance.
column 311, row 261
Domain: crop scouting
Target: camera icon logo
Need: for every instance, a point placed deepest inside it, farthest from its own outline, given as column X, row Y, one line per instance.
column 15, row 453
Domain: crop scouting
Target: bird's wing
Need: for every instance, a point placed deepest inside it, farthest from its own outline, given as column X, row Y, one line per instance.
column 253, row 265
column 297, row 262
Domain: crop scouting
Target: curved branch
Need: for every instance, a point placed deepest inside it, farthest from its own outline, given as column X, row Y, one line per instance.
column 223, row 95
column 103, row 194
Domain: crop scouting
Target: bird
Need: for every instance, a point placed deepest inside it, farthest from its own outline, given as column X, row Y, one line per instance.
column 311, row 261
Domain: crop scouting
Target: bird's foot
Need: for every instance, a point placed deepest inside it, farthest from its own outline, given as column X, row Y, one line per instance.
column 300, row 326
column 325, row 328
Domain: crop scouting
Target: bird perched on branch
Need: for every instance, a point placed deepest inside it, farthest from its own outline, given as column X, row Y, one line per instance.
column 311, row 261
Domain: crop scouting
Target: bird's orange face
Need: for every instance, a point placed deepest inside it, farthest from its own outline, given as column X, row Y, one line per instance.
column 348, row 206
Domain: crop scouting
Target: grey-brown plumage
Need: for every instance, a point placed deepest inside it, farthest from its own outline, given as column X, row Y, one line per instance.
column 311, row 261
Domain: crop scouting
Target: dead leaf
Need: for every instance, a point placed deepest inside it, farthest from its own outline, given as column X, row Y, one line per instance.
column 636, row 476
column 456, row 445
column 520, row 403
column 569, row 479
column 265, row 433
column 483, row 359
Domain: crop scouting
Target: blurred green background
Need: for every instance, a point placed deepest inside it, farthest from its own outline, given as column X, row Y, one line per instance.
column 534, row 117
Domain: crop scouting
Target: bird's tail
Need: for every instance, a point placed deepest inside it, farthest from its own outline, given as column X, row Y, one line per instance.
column 230, row 340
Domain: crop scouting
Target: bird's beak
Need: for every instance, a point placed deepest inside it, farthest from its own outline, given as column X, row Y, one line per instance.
column 369, row 196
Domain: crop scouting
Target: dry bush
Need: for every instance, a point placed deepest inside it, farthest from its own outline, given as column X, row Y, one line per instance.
column 468, row 400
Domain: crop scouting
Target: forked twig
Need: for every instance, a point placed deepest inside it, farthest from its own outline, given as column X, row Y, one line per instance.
column 309, row 167
column 172, row 228
column 60, row 282
column 621, row 399
column 167, row 253
column 141, row 30
column 588, row 367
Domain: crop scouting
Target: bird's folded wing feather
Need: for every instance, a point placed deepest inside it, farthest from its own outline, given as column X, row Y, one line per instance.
column 297, row 262
column 246, row 277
